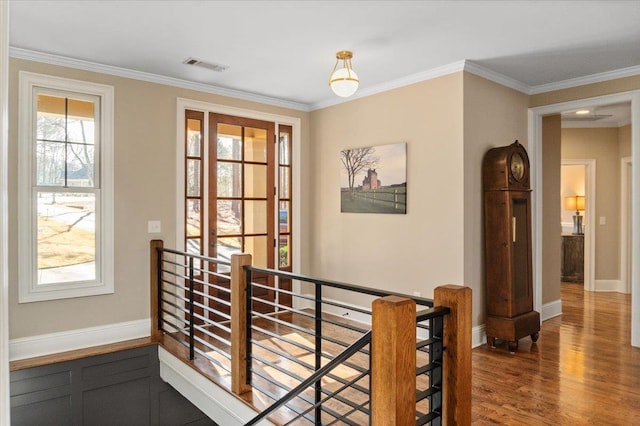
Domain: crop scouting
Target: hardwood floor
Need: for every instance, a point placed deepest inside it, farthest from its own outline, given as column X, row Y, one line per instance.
column 581, row 371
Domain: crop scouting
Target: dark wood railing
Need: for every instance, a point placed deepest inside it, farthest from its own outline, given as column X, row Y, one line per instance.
column 411, row 366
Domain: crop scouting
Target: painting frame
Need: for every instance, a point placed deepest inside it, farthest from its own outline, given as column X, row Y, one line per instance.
column 373, row 179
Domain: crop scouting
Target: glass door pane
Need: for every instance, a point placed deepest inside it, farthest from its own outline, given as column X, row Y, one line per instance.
column 241, row 182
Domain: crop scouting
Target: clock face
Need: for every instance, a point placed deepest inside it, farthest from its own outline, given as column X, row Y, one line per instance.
column 517, row 166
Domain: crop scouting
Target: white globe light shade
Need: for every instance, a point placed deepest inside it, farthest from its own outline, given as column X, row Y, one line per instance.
column 344, row 82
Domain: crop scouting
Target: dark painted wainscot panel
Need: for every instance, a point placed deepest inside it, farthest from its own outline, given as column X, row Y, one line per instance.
column 122, row 388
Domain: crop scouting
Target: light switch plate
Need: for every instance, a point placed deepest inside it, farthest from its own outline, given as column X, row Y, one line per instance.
column 154, row 227
column 603, row 220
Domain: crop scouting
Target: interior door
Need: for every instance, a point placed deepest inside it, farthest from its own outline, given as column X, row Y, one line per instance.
column 241, row 198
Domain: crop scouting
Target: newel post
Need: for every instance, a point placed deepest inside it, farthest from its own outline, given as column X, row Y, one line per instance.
column 239, row 360
column 457, row 356
column 154, row 274
column 393, row 361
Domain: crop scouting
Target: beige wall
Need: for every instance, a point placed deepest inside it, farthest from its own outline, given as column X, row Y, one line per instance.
column 551, row 228
column 624, row 141
column 145, row 167
column 405, row 253
column 602, row 145
column 610, row 87
column 494, row 115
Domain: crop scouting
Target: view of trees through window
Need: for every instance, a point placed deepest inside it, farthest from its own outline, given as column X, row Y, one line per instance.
column 65, row 178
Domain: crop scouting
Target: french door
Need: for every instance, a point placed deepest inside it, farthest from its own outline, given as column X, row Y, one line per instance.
column 242, row 196
column 238, row 199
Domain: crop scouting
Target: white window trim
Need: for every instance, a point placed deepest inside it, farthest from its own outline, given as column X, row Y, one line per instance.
column 29, row 290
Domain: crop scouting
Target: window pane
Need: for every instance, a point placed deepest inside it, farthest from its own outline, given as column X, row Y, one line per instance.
column 284, row 182
column 255, row 181
column 284, row 257
column 50, row 128
column 225, row 248
column 50, row 162
column 229, row 179
column 193, row 178
column 80, row 121
column 283, row 217
column 193, row 247
column 229, row 142
column 193, row 218
column 80, row 165
column 284, row 148
column 255, row 217
column 66, row 242
column 255, row 145
column 257, row 247
column 193, row 138
column 229, row 217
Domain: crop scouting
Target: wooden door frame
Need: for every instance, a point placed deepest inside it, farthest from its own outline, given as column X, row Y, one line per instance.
column 184, row 104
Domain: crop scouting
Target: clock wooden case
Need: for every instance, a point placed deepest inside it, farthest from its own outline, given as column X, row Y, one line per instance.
column 507, row 236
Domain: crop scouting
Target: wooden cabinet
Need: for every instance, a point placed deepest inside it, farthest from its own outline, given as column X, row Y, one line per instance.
column 507, row 236
column 572, row 262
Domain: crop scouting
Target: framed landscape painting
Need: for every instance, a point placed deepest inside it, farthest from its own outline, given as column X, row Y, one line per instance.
column 374, row 179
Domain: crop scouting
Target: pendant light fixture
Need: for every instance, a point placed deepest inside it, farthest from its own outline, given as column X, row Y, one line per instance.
column 344, row 81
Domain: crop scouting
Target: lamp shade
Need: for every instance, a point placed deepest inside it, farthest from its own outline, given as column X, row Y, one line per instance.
column 344, row 82
column 575, row 202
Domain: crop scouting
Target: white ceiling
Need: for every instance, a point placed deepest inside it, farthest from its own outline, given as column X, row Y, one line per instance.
column 285, row 50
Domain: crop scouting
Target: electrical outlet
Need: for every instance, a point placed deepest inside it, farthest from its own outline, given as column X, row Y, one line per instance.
column 154, row 227
column 603, row 220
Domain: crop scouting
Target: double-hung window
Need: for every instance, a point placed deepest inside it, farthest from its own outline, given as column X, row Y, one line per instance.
column 65, row 188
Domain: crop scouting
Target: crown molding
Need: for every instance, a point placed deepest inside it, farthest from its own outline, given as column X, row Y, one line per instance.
column 496, row 77
column 463, row 65
column 47, row 58
column 589, row 79
column 394, row 84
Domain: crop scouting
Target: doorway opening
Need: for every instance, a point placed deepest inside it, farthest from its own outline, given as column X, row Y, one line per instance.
column 535, row 147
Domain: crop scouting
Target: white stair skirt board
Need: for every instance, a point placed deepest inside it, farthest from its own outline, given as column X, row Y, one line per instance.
column 46, row 344
column 611, row 285
column 221, row 406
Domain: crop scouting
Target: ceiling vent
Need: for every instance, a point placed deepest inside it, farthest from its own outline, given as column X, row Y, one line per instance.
column 207, row 65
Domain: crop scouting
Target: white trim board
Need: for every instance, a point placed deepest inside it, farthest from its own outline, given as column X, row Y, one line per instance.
column 217, row 403
column 4, row 215
column 610, row 285
column 46, row 344
column 551, row 310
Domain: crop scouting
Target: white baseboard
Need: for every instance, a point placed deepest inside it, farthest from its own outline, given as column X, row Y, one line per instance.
column 221, row 406
column 551, row 309
column 478, row 336
column 610, row 285
column 46, row 344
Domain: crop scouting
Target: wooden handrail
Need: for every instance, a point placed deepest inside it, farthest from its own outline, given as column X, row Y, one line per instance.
column 457, row 356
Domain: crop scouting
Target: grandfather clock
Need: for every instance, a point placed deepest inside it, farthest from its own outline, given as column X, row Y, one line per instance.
column 507, row 250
